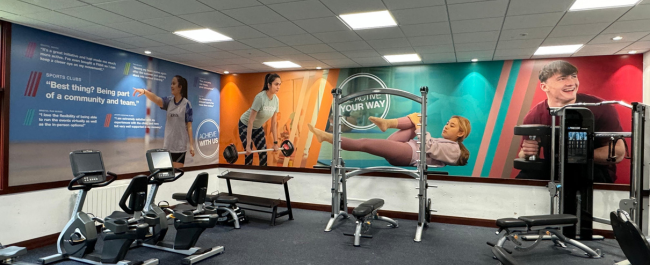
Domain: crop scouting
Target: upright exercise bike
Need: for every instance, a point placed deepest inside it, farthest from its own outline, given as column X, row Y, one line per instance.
column 79, row 236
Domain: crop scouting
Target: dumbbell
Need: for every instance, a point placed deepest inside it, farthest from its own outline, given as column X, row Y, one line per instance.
column 533, row 131
column 231, row 154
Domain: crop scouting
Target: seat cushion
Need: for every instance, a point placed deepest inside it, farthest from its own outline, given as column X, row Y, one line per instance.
column 367, row 207
column 510, row 222
column 179, row 196
column 12, row 252
column 119, row 215
column 549, row 220
column 221, row 199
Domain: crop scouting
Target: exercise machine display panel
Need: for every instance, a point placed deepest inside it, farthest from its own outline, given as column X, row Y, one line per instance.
column 577, row 147
column 90, row 164
column 161, row 160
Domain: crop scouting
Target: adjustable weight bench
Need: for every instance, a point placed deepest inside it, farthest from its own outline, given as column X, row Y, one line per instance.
column 9, row 255
column 538, row 224
column 365, row 213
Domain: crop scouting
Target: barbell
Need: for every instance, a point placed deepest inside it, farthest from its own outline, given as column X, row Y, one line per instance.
column 231, row 155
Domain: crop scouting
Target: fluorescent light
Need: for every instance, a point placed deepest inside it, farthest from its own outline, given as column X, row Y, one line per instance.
column 580, row 5
column 147, row 52
column 474, row 60
column 369, row 20
column 399, row 58
column 282, row 64
column 632, row 52
column 559, row 49
column 203, row 35
column 226, row 72
column 318, row 68
column 617, row 38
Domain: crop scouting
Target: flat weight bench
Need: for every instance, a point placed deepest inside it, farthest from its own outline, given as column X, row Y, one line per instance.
column 538, row 224
column 365, row 213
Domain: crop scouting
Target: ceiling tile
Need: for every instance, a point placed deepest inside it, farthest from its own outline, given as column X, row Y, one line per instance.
column 312, row 64
column 198, row 47
column 435, row 49
column 337, row 36
column 176, row 7
column 476, row 25
column 341, row 63
column 229, row 4
column 20, row 8
column 301, row 39
column 484, row 9
column 420, row 15
column 438, row 57
column 345, row 6
column 627, row 50
column 120, row 45
column 171, row 24
column 638, row 12
column 380, row 33
column 639, row 45
column 139, row 41
column 214, row 20
column 133, row 9
column 487, row 36
column 95, row 14
column 430, row 40
column 278, row 51
column 519, row 44
column 532, row 21
column 524, row 7
column 510, row 57
column 302, row 10
column 167, row 50
column 55, row 4
column 270, row 2
column 105, row 32
column 219, row 55
column 255, row 15
column 316, row 25
column 351, row 46
column 572, row 30
column 629, row 26
column 477, row 46
column 522, row 34
column 137, row 28
column 239, row 61
column 395, row 50
column 405, row 4
column 296, row 57
column 60, row 19
column 170, row 39
column 365, row 53
column 568, row 40
column 265, row 42
column 593, row 16
column 390, row 43
column 327, row 55
column 250, row 53
column 372, row 61
column 230, row 45
column 516, row 52
column 314, row 48
column 600, row 49
column 241, row 32
column 78, row 34
column 627, row 37
column 426, row 29
column 467, row 56
column 279, row 29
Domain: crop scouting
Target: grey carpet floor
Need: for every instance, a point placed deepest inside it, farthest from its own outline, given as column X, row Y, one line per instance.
column 302, row 241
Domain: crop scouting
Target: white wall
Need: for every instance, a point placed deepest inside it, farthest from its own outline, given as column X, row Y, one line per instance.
column 646, row 77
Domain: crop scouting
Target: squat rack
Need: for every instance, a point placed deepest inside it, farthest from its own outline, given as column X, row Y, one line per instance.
column 340, row 173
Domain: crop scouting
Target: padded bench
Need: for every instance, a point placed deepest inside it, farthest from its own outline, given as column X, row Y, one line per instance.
column 12, row 252
column 365, row 213
column 260, row 201
column 553, row 220
column 367, row 207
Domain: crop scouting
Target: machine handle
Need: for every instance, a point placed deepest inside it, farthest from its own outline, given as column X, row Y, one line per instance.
column 71, row 185
column 179, row 175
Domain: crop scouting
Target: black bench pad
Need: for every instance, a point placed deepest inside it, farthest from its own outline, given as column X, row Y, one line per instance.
column 553, row 219
column 217, row 198
column 179, row 196
column 367, row 207
column 510, row 222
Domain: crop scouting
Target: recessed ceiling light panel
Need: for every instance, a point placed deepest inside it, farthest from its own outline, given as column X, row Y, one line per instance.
column 559, row 49
column 282, row 64
column 203, row 35
column 400, row 58
column 580, row 5
column 369, row 20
